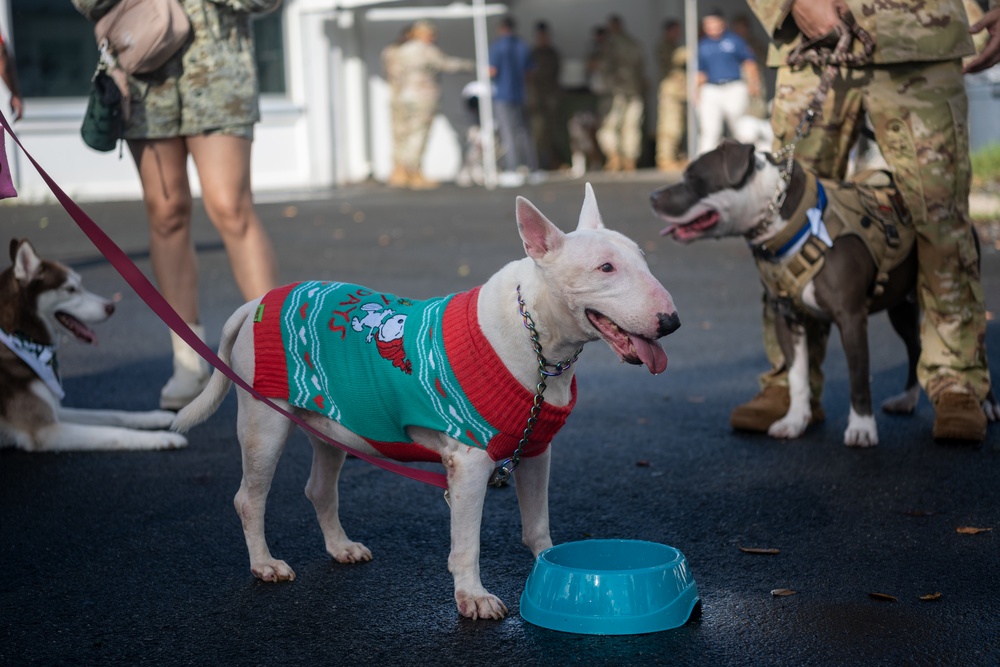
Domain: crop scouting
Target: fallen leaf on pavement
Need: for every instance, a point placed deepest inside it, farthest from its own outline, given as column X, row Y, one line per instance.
column 782, row 592
column 930, row 596
column 760, row 550
column 883, row 596
column 970, row 530
column 642, row 464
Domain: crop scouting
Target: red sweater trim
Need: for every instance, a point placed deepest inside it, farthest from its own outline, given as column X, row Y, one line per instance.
column 492, row 389
column 270, row 375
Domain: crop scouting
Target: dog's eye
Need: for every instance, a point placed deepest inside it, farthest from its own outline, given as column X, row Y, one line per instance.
column 607, row 267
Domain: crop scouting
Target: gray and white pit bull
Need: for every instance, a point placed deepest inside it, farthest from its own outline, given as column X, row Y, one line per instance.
column 726, row 192
column 579, row 287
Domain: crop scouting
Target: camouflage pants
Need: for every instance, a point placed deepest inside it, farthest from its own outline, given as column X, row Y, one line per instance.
column 546, row 130
column 920, row 115
column 397, row 114
column 621, row 130
column 670, row 124
column 414, row 126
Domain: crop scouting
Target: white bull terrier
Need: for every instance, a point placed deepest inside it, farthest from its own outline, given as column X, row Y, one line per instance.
column 456, row 387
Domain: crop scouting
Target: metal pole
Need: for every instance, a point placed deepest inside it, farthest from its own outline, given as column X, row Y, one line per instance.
column 486, row 133
column 691, row 40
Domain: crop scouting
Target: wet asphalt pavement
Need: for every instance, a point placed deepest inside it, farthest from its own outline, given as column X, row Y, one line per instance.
column 139, row 558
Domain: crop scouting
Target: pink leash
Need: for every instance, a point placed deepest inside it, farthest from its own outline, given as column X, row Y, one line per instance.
column 138, row 282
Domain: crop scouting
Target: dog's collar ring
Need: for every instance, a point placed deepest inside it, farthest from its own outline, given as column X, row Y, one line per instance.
column 503, row 471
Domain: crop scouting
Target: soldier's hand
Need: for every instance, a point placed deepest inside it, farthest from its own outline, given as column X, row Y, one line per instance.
column 990, row 55
column 817, row 18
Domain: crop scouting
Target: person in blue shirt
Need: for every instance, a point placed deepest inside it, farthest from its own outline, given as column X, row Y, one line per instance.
column 510, row 64
column 727, row 77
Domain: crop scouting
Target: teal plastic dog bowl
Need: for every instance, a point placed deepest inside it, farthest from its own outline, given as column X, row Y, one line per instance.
column 609, row 587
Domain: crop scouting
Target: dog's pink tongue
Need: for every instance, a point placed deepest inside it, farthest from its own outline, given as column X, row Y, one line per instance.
column 650, row 353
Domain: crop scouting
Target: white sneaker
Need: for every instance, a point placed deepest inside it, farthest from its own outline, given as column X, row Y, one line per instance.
column 191, row 373
column 510, row 179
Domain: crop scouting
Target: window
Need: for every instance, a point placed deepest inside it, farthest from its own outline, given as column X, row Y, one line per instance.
column 56, row 53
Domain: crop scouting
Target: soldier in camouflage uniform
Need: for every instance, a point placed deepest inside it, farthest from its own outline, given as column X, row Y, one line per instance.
column 672, row 109
column 620, row 134
column 419, row 91
column 392, row 66
column 544, row 97
column 914, row 93
column 203, row 103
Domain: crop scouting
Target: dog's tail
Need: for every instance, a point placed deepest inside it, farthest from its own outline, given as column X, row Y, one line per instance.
column 208, row 401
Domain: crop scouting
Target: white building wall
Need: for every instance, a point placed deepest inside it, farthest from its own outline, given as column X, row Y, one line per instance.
column 332, row 126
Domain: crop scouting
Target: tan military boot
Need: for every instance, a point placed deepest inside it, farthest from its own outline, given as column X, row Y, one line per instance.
column 628, row 164
column 418, row 181
column 959, row 416
column 191, row 373
column 613, row 163
column 398, row 178
column 767, row 407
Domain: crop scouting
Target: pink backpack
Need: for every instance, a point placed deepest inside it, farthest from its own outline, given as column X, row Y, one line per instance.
column 143, row 34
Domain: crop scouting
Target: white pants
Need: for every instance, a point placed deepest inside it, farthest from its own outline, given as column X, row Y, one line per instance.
column 718, row 103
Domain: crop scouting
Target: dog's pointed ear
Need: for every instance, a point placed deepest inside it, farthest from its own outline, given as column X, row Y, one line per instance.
column 26, row 262
column 538, row 234
column 739, row 161
column 590, row 215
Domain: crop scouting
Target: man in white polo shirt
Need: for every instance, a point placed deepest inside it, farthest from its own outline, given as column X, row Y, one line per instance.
column 727, row 76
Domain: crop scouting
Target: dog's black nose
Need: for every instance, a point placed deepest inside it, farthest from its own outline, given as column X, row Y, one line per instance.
column 109, row 309
column 668, row 323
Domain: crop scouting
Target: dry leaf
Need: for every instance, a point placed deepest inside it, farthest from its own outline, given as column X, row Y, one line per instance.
column 290, row 212
column 970, row 530
column 760, row 550
column 930, row 596
column 918, row 513
column 642, row 464
column 641, row 420
column 782, row 592
column 882, row 596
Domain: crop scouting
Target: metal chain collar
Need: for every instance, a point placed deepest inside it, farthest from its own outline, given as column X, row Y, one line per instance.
column 831, row 61
column 503, row 472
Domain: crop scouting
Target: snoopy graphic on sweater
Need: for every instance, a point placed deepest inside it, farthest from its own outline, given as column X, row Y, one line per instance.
column 386, row 326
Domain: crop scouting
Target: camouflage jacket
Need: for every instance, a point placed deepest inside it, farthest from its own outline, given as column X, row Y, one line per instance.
column 215, row 72
column 673, row 69
column 624, row 63
column 421, row 64
column 904, row 31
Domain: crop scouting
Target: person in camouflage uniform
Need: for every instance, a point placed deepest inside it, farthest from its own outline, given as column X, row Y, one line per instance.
column 201, row 103
column 672, row 108
column 422, row 63
column 913, row 91
column 392, row 66
column 544, row 98
column 620, row 134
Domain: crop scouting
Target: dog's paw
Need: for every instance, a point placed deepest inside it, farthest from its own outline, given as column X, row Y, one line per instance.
column 172, row 440
column 862, row 431
column 350, row 552
column 903, row 403
column 481, row 605
column 272, row 570
column 158, row 419
column 991, row 408
column 788, row 427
